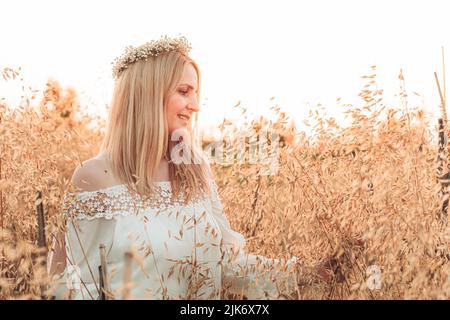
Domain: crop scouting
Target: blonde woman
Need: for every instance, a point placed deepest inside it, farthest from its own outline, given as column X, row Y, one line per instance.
column 150, row 199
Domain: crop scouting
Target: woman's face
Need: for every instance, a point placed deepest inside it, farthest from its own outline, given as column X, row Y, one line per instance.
column 183, row 102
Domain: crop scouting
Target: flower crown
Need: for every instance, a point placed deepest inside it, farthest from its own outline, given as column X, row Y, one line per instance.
column 152, row 48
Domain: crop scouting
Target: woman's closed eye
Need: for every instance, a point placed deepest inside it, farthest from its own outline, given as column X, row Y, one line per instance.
column 183, row 92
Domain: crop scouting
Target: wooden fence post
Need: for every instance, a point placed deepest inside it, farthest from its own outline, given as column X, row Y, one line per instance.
column 41, row 220
column 442, row 170
column 42, row 244
column 105, row 288
column 443, row 161
column 102, row 295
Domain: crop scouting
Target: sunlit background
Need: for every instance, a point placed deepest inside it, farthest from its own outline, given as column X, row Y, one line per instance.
column 296, row 54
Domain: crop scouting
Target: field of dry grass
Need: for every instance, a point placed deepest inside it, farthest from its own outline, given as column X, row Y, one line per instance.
column 374, row 180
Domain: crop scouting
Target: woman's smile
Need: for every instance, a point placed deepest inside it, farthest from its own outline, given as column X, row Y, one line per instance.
column 183, row 117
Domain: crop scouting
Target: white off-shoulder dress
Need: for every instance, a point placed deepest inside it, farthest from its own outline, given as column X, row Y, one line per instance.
column 180, row 251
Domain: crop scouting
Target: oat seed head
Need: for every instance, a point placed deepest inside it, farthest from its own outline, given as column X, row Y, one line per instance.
column 152, row 48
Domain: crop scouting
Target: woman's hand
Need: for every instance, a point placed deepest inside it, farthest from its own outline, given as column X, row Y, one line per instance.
column 329, row 269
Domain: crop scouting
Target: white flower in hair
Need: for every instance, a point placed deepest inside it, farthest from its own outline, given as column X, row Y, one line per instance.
column 152, row 48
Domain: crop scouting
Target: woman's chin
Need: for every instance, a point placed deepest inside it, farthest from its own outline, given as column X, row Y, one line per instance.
column 180, row 125
column 179, row 128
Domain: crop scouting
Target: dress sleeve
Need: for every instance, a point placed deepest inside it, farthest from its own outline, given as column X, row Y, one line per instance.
column 254, row 276
column 88, row 225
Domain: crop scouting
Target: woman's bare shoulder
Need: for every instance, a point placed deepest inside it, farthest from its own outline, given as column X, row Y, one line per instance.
column 93, row 174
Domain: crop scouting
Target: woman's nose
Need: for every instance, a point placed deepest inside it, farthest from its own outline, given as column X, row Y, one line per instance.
column 193, row 106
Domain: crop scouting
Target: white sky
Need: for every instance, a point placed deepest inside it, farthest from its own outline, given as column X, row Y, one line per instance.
column 300, row 52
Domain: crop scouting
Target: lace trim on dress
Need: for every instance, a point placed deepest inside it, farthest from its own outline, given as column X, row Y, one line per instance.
column 118, row 200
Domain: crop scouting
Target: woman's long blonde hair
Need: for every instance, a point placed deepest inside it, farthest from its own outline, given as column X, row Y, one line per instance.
column 137, row 134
